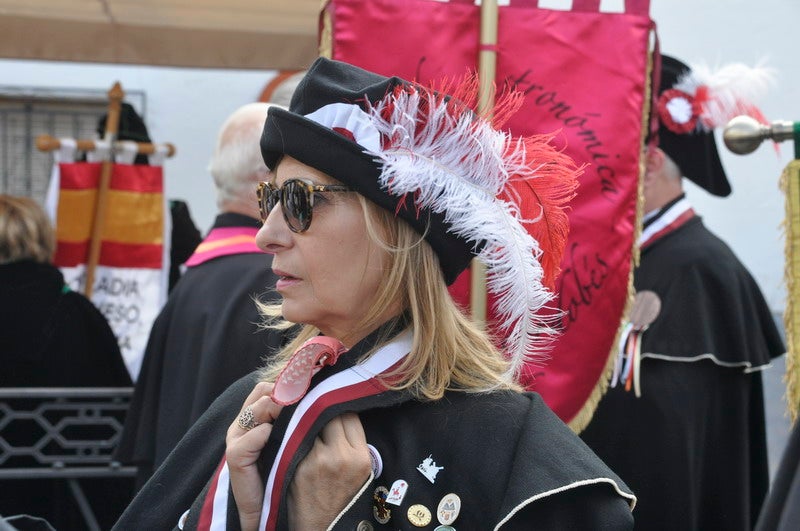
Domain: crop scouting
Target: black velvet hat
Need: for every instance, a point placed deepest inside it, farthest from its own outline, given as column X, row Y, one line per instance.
column 334, row 150
column 694, row 151
column 469, row 188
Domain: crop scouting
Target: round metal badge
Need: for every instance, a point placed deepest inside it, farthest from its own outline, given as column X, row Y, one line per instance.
column 419, row 515
column 646, row 307
column 375, row 460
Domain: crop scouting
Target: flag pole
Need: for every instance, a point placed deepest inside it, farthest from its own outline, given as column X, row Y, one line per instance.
column 115, row 96
column 47, row 142
column 487, row 62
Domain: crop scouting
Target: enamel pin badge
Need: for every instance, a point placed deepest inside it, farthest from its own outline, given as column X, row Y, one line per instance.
column 429, row 469
column 448, row 509
column 397, row 492
column 379, row 510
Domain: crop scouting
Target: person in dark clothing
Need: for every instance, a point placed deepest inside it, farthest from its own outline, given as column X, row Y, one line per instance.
column 781, row 510
column 693, row 444
column 50, row 337
column 207, row 335
column 389, row 408
column 184, row 239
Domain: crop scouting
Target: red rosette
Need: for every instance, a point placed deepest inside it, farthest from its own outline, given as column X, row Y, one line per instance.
column 677, row 111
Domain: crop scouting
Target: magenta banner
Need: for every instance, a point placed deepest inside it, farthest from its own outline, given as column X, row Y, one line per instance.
column 584, row 74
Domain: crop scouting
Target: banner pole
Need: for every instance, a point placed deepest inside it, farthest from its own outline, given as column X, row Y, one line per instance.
column 487, row 66
column 115, row 96
column 47, row 143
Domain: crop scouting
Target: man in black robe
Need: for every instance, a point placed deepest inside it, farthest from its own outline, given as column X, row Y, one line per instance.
column 693, row 445
column 207, row 335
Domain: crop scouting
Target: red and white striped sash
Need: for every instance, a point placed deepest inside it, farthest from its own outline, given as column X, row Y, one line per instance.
column 667, row 221
column 356, row 382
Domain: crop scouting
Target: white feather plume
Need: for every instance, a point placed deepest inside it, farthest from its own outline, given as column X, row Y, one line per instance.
column 459, row 174
column 732, row 89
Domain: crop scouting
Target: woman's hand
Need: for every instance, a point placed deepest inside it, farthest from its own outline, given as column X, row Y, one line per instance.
column 241, row 453
column 330, row 475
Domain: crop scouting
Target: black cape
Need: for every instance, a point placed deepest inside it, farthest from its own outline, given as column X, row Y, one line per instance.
column 53, row 337
column 205, row 338
column 693, row 446
column 507, row 456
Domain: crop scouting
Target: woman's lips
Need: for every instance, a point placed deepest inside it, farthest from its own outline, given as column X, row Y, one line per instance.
column 285, row 280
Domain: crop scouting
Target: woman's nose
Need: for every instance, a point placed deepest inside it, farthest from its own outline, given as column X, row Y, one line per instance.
column 274, row 234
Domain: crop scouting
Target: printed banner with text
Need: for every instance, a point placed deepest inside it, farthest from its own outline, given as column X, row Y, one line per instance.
column 585, row 77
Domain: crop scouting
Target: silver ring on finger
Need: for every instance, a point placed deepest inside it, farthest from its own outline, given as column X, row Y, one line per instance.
column 246, row 419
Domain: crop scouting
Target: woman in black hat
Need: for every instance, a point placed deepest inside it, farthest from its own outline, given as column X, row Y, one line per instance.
column 391, row 409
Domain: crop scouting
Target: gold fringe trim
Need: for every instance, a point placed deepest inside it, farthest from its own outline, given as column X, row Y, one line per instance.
column 584, row 416
column 326, row 32
column 790, row 185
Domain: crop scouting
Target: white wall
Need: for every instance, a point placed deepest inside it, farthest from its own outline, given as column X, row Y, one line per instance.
column 186, row 106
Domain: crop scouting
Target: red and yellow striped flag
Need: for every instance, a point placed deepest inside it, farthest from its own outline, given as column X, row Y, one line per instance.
column 133, row 231
column 130, row 282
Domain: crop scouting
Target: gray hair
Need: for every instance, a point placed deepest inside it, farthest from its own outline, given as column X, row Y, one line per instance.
column 237, row 164
column 282, row 94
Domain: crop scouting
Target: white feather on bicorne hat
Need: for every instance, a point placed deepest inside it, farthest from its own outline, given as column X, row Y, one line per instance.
column 693, row 101
column 470, row 189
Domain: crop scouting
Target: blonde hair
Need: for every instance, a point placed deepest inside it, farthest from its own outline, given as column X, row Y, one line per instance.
column 25, row 231
column 448, row 351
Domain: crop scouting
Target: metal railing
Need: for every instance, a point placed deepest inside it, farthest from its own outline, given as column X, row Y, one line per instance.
column 67, row 433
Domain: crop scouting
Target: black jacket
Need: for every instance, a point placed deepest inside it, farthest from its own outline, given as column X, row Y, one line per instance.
column 512, row 462
column 51, row 336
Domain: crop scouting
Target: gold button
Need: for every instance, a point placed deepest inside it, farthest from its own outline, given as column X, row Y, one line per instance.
column 419, row 515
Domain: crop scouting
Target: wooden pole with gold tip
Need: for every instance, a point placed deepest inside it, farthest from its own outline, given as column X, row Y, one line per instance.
column 115, row 96
column 487, row 61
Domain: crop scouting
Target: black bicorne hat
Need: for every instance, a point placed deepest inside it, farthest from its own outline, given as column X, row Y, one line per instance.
column 694, row 151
